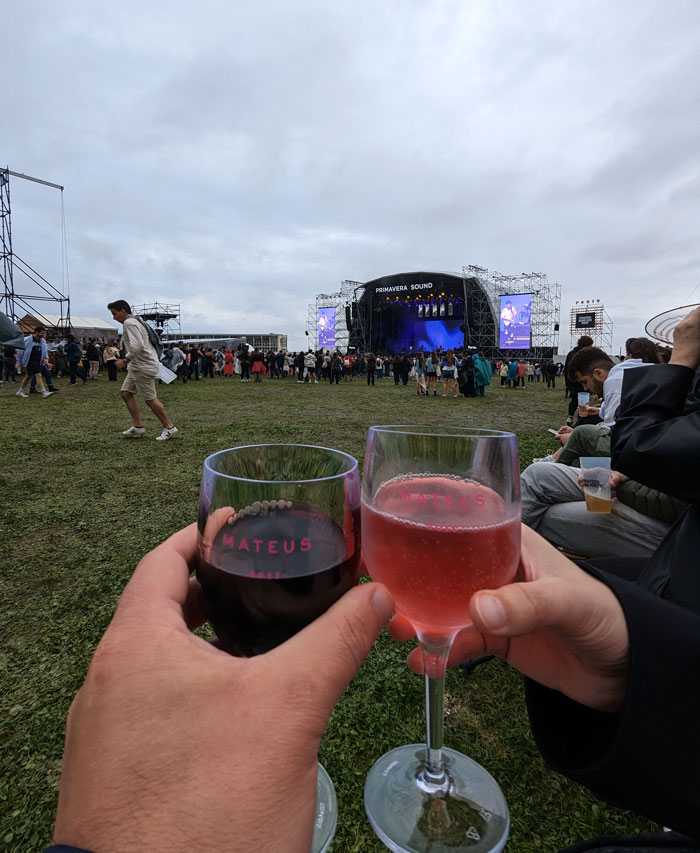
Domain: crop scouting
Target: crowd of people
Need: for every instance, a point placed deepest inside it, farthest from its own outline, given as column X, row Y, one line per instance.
column 604, row 620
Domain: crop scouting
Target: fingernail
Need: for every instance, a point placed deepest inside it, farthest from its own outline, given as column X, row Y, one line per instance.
column 491, row 612
column 383, row 602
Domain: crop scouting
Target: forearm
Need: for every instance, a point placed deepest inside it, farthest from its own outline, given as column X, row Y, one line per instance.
column 646, row 756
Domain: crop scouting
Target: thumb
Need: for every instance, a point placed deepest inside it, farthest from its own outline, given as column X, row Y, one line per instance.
column 520, row 608
column 331, row 649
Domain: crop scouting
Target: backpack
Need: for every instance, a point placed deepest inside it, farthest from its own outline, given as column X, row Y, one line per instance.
column 153, row 338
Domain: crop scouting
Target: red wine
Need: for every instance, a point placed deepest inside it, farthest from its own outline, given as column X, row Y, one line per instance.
column 267, row 576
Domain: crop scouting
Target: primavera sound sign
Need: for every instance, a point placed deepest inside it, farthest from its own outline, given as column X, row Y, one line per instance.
column 402, row 288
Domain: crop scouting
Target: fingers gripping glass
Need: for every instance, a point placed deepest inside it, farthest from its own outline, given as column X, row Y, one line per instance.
column 279, row 543
column 441, row 520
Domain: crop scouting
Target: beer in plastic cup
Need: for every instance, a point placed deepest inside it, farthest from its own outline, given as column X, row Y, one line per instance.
column 596, row 483
column 584, row 398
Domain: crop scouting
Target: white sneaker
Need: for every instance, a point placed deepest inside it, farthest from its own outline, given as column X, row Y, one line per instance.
column 167, row 433
column 47, row 394
column 21, row 393
column 134, row 432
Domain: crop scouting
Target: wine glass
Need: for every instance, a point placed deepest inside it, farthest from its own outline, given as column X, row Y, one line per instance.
column 279, row 543
column 441, row 520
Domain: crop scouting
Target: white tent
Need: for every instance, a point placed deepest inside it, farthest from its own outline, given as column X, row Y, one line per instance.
column 91, row 327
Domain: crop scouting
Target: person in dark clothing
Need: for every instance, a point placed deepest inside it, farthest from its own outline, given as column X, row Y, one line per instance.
column 656, row 440
column 279, row 364
column 396, row 369
column 299, row 366
column 74, row 354
column 405, row 368
column 335, row 368
column 465, row 377
column 244, row 358
column 9, row 372
column 371, row 368
column 550, row 370
column 572, row 386
column 208, row 363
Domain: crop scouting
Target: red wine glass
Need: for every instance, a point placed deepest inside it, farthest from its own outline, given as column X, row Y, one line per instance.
column 279, row 543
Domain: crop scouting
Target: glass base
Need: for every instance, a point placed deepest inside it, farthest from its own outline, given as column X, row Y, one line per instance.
column 326, row 818
column 471, row 816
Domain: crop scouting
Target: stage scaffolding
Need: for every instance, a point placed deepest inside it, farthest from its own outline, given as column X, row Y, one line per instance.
column 342, row 299
column 485, row 307
column 165, row 318
column 37, row 291
column 602, row 329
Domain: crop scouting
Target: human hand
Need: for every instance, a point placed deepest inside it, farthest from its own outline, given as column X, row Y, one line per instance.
column 172, row 744
column 617, row 477
column 588, row 410
column 686, row 341
column 563, row 434
column 559, row 626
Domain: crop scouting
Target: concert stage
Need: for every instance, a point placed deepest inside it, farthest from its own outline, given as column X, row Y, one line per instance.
column 414, row 311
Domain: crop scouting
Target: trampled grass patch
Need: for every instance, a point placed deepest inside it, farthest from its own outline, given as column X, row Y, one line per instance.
column 82, row 505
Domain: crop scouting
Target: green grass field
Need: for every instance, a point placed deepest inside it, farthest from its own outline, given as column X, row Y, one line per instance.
column 81, row 506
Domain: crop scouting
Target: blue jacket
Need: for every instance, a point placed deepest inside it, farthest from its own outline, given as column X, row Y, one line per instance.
column 29, row 344
column 74, row 352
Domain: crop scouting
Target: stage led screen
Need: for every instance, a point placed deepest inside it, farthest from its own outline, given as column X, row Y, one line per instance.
column 585, row 320
column 413, row 335
column 326, row 328
column 514, row 323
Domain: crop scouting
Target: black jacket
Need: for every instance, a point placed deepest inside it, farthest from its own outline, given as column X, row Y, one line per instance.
column 656, row 443
column 646, row 757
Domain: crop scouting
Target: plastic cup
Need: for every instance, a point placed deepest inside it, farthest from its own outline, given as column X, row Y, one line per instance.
column 584, row 398
column 596, row 483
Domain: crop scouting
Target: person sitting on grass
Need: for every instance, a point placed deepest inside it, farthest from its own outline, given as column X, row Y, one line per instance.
column 597, row 373
column 655, row 452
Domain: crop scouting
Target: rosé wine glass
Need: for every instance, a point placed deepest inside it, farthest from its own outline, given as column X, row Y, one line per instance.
column 440, row 521
column 279, row 543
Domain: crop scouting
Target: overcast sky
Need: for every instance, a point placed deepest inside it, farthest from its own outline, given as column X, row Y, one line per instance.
column 239, row 158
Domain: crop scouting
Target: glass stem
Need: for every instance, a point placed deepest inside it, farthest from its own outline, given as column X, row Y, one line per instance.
column 434, row 777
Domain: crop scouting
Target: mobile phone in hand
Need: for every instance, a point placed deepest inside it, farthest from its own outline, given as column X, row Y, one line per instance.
column 553, row 432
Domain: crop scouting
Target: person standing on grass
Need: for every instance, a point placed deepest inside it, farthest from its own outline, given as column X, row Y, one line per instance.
column 141, row 361
column 34, row 354
column 482, row 373
column 110, row 356
column 432, row 366
column 449, row 373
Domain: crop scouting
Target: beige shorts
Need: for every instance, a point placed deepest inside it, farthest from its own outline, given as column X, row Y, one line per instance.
column 139, row 383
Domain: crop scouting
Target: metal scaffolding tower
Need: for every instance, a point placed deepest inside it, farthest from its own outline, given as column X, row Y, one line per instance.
column 339, row 301
column 166, row 318
column 598, row 324
column 38, row 289
column 485, row 305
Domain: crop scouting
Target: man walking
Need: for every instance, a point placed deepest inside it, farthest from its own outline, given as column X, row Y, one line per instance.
column 141, row 362
column 34, row 355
